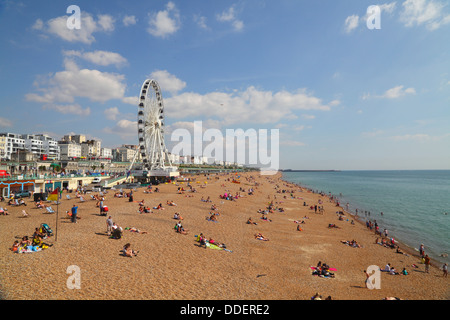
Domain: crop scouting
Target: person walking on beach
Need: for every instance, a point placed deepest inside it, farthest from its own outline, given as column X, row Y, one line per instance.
column 427, row 263
column 421, row 250
column 109, row 225
column 74, row 213
column 445, row 270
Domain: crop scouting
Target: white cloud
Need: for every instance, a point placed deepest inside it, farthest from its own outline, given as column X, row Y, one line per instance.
column 397, row 92
column 106, row 22
column 167, row 81
column 393, row 93
column 129, row 20
column 248, row 106
column 131, row 100
column 38, row 25
column 111, row 113
column 412, row 137
column 201, row 21
column 102, row 58
column 424, row 12
column 65, row 86
column 420, row 137
column 68, row 109
column 5, row 122
column 351, row 23
column 388, row 7
column 230, row 16
column 165, row 22
column 58, row 27
column 124, row 128
column 299, row 128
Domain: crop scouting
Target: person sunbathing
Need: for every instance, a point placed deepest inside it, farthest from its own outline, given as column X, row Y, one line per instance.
column 128, row 252
column 259, row 236
column 351, row 243
column 180, row 229
column 141, row 203
column 159, row 207
column 24, row 242
column 177, row 216
column 202, row 240
column 171, row 203
column 133, row 229
column 298, row 228
column 250, row 221
column 214, row 242
column 15, row 246
column 40, row 205
column 39, row 233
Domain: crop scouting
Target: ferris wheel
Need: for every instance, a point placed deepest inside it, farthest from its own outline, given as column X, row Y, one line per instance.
column 151, row 127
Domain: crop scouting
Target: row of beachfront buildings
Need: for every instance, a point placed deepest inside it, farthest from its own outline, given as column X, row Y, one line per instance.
column 32, row 147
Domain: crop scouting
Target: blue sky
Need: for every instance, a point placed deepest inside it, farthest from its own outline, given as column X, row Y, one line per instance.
column 343, row 96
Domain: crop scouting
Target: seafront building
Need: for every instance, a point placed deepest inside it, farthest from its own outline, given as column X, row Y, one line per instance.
column 37, row 144
column 40, row 163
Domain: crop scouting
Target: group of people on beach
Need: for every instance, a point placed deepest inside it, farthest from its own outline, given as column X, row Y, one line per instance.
column 36, row 243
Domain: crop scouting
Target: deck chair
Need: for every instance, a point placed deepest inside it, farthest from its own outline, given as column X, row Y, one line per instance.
column 68, row 197
column 25, row 214
column 82, row 199
column 50, row 210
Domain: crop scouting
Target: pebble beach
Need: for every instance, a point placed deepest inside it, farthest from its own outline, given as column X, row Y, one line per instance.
column 173, row 266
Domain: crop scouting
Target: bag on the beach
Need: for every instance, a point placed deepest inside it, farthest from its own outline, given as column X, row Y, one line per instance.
column 46, row 228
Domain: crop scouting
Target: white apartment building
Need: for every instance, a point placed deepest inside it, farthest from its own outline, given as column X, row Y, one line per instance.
column 13, row 143
column 126, row 154
column 2, row 147
column 91, row 148
column 106, row 153
column 50, row 146
column 69, row 150
column 38, row 144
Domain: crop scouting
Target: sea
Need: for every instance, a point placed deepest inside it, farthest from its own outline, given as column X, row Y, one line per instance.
column 415, row 204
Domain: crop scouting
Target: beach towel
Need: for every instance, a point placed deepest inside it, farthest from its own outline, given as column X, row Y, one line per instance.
column 29, row 249
column 213, row 246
